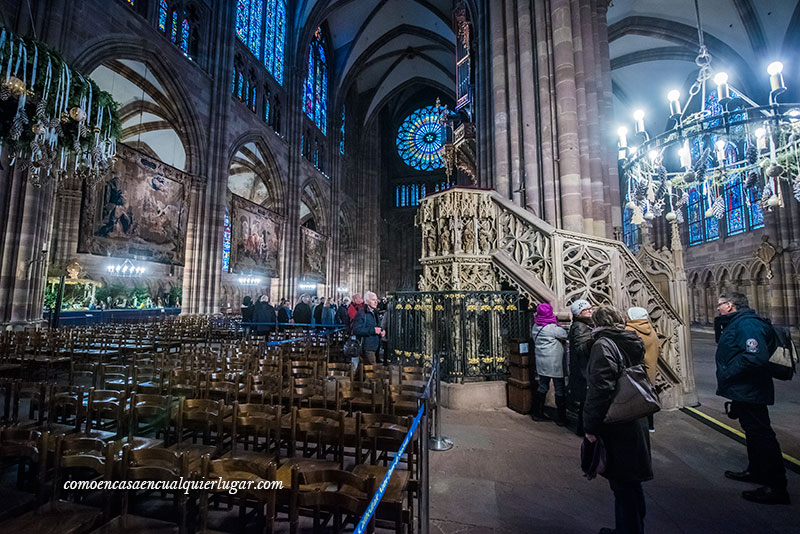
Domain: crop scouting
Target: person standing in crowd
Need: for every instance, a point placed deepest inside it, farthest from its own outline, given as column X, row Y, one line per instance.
column 247, row 316
column 548, row 346
column 284, row 313
column 264, row 316
column 355, row 307
column 342, row 316
column 745, row 342
column 580, row 343
column 627, row 445
column 367, row 327
column 314, row 304
column 317, row 305
column 327, row 315
column 640, row 324
column 302, row 311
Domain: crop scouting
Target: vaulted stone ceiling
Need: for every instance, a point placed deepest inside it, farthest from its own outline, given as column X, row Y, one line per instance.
column 653, row 45
column 382, row 47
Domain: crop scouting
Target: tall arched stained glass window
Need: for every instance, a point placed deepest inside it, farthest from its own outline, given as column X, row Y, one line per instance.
column 315, row 98
column 226, row 242
column 695, row 211
column 341, row 133
column 242, row 18
column 185, row 37
column 274, row 37
column 420, row 138
column 254, row 28
column 162, row 15
column 174, row 26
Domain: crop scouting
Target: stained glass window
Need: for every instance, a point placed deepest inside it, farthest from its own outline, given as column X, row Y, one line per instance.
column 734, row 206
column 162, row 15
column 631, row 231
column 420, row 138
column 174, row 26
column 242, row 17
column 441, row 186
column 712, row 223
column 408, row 195
column 254, row 31
column 185, row 37
column 755, row 214
column 341, row 133
column 240, row 86
column 695, row 209
column 315, row 98
column 267, row 96
column 132, row 2
column 274, row 36
column 253, row 98
column 226, row 242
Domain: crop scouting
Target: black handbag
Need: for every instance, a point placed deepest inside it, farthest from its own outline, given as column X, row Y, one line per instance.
column 635, row 396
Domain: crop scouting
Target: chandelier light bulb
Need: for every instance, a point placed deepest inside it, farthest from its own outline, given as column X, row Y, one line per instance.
column 761, row 132
column 638, row 115
column 721, row 78
column 776, row 67
column 622, row 131
column 720, row 150
column 673, row 95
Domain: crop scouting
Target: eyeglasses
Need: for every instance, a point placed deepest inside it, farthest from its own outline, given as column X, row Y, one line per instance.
column 723, row 302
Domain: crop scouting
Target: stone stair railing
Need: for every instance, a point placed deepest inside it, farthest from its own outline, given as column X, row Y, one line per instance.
column 475, row 240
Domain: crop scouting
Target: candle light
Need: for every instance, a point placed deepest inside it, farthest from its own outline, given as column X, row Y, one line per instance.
column 674, row 102
column 721, row 79
column 761, row 138
column 720, row 150
column 623, row 136
column 685, row 155
column 638, row 116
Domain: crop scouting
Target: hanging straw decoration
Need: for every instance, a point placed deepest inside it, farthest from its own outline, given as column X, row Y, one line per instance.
column 53, row 120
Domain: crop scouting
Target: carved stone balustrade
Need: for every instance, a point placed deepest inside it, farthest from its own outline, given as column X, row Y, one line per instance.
column 475, row 240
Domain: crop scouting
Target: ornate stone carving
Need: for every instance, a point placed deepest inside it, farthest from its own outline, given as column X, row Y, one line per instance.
column 468, row 237
column 528, row 247
column 587, row 273
column 765, row 254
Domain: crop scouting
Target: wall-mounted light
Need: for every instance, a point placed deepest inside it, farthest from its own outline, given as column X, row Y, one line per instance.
column 126, row 268
column 249, row 280
column 306, row 286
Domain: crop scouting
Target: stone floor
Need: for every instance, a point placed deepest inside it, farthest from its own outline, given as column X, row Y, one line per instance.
column 507, row 474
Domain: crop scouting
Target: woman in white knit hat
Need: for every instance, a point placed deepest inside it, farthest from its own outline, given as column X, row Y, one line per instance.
column 639, row 323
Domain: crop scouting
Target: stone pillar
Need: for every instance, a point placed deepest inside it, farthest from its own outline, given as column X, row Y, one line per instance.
column 27, row 216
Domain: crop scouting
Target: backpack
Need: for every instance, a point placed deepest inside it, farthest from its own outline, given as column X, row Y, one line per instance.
column 783, row 362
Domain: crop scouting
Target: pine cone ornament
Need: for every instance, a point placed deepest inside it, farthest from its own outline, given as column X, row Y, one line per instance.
column 640, row 191
column 661, row 173
column 719, row 208
column 679, row 216
column 661, row 188
column 683, row 200
column 751, row 180
column 658, row 208
column 4, row 92
column 751, row 154
column 41, row 109
column 796, row 189
column 701, row 164
column 765, row 196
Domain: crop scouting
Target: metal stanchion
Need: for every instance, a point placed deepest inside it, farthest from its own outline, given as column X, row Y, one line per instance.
column 437, row 442
column 424, row 482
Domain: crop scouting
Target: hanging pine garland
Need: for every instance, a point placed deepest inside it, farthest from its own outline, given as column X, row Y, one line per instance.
column 51, row 116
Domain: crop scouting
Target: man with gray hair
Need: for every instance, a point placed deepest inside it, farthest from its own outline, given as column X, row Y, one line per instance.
column 367, row 328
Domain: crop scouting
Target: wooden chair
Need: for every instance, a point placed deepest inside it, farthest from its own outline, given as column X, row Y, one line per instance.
column 236, row 471
column 344, row 495
column 107, row 409
column 257, row 426
column 204, row 417
column 154, row 411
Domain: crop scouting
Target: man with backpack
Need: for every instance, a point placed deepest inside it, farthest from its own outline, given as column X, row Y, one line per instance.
column 745, row 343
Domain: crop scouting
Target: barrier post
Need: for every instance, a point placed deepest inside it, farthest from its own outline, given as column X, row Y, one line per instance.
column 437, row 442
column 424, row 482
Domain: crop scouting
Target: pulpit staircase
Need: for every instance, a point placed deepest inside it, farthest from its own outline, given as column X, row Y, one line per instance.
column 475, row 240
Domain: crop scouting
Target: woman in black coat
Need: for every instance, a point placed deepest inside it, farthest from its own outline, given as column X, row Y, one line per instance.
column 627, row 445
column 247, row 316
column 264, row 316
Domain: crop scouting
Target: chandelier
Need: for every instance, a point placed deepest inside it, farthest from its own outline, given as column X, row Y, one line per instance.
column 249, row 280
column 125, row 269
column 53, row 120
column 729, row 138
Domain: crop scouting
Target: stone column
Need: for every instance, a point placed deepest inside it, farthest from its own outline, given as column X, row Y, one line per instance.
column 499, row 89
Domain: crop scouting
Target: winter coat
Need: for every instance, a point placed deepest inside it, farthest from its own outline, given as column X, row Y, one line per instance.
column 580, row 343
column 364, row 327
column 327, row 316
column 302, row 313
column 353, row 310
column 549, row 350
column 317, row 313
column 247, row 314
column 264, row 317
column 627, row 444
column 284, row 314
column 342, row 317
column 652, row 346
column 744, row 345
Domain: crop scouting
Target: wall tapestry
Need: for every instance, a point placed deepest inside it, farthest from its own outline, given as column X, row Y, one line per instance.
column 315, row 252
column 256, row 238
column 138, row 211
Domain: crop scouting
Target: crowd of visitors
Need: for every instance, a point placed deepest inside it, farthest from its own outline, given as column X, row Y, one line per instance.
column 588, row 363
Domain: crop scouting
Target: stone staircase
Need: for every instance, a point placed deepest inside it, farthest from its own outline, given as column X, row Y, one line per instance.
column 475, row 240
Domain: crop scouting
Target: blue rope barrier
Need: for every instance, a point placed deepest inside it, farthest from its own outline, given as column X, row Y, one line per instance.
column 376, row 499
